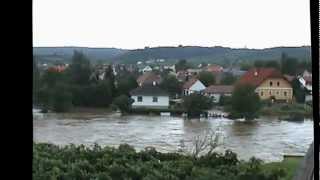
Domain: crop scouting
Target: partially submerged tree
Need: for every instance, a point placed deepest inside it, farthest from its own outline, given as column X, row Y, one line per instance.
column 195, row 104
column 245, row 102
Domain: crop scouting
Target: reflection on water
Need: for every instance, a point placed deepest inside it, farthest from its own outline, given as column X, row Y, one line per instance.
column 266, row 138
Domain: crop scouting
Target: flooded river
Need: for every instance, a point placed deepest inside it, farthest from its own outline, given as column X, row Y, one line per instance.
column 266, row 138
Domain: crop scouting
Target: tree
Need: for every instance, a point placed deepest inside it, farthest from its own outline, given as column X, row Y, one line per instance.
column 298, row 92
column 171, row 84
column 181, row 65
column 195, row 103
column 62, row 98
column 228, row 79
column 207, row 78
column 123, row 102
column 289, row 65
column 272, row 64
column 258, row 63
column 245, row 102
column 109, row 76
column 100, row 94
column 126, row 84
column 80, row 69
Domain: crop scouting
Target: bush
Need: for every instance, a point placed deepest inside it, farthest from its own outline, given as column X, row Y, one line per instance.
column 79, row 162
column 123, row 102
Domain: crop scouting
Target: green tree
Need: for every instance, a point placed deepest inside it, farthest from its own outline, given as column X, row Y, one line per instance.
column 298, row 92
column 289, row 65
column 100, row 94
column 181, row 65
column 206, row 78
column 109, row 76
column 171, row 84
column 195, row 103
column 245, row 102
column 258, row 63
column 62, row 98
column 272, row 64
column 80, row 69
column 228, row 79
column 123, row 102
column 126, row 84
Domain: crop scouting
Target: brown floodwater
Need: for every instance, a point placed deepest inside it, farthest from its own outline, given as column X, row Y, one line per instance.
column 266, row 138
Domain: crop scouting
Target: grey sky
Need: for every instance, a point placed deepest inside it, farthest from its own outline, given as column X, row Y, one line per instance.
column 139, row 23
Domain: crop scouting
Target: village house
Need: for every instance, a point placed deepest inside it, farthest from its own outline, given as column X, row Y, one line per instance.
column 193, row 86
column 149, row 96
column 149, row 78
column 214, row 68
column 269, row 84
column 216, row 91
column 146, row 69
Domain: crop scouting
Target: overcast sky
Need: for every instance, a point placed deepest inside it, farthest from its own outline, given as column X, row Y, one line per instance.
column 133, row 24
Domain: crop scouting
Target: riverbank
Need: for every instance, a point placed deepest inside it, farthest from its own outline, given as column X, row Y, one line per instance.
column 284, row 110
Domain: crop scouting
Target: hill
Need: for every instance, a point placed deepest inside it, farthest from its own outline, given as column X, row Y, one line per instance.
column 194, row 54
column 220, row 55
column 65, row 53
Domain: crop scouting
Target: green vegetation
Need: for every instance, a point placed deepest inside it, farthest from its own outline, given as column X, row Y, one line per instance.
column 207, row 78
column 228, row 79
column 182, row 64
column 287, row 110
column 171, row 84
column 195, row 104
column 245, row 94
column 123, row 103
column 289, row 164
column 82, row 163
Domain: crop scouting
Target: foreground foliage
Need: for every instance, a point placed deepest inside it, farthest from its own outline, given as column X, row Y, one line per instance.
column 80, row 162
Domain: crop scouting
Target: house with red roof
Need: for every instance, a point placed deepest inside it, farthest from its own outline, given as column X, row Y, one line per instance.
column 149, row 78
column 269, row 84
column 192, row 85
column 216, row 91
column 214, row 68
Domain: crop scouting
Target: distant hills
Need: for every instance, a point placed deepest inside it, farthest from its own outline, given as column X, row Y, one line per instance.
column 194, row 54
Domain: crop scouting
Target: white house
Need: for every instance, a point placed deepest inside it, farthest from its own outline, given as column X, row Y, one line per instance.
column 151, row 97
column 216, row 91
column 192, row 86
column 146, row 69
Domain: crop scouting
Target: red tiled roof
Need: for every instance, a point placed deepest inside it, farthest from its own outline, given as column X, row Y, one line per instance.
column 219, row 89
column 148, row 78
column 214, row 68
column 256, row 76
column 189, row 83
column 288, row 77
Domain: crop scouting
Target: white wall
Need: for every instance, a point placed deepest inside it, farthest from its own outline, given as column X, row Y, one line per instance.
column 163, row 101
column 197, row 86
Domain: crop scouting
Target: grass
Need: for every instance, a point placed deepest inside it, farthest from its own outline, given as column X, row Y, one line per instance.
column 287, row 109
column 290, row 164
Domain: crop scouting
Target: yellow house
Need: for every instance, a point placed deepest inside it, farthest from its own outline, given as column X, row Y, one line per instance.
column 269, row 83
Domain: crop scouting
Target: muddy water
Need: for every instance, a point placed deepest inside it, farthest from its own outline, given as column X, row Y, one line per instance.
column 266, row 138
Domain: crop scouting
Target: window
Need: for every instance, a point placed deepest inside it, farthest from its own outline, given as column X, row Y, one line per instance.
column 285, row 93
column 278, row 83
column 155, row 99
column 261, row 93
column 139, row 98
column 270, row 83
column 277, row 92
column 270, row 92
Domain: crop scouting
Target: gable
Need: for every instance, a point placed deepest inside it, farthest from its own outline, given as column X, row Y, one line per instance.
column 282, row 83
column 197, row 86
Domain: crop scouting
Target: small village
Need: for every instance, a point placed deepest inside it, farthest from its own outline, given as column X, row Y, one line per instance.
column 150, row 96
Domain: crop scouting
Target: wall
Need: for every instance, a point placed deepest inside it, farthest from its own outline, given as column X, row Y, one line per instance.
column 163, row 102
column 266, row 91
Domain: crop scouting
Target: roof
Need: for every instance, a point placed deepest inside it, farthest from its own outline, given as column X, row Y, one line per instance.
column 288, row 77
column 189, row 83
column 148, row 78
column 256, row 76
column 214, row 68
column 219, row 89
column 148, row 90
